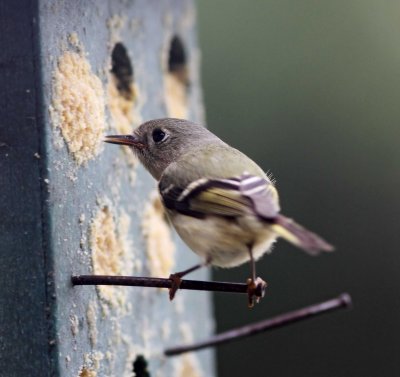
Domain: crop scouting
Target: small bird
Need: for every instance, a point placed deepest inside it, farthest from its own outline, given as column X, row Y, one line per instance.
column 221, row 203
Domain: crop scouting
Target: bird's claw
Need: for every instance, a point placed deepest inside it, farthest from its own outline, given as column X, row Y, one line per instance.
column 176, row 282
column 255, row 291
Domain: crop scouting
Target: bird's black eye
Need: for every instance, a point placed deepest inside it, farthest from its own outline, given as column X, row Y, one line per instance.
column 158, row 135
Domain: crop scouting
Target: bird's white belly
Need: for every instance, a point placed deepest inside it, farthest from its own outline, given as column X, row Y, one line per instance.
column 225, row 241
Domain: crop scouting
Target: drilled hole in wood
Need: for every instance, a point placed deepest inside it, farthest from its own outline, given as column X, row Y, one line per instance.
column 123, row 93
column 140, row 367
column 121, row 68
column 177, row 60
column 176, row 80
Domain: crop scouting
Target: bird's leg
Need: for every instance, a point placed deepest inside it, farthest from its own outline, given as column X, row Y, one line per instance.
column 255, row 286
column 176, row 278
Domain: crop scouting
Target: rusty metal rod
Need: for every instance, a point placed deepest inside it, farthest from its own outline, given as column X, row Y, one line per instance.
column 340, row 302
column 136, row 281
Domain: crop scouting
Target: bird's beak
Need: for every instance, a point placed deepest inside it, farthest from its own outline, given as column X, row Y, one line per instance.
column 130, row 140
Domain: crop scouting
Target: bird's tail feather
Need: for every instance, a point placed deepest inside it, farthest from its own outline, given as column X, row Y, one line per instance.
column 299, row 236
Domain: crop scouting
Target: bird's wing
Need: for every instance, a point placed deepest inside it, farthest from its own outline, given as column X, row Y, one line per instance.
column 227, row 197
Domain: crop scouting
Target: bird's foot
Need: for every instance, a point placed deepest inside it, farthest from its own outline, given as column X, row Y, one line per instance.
column 255, row 291
column 176, row 281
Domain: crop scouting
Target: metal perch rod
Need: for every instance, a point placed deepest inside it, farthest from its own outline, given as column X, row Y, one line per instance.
column 340, row 302
column 196, row 285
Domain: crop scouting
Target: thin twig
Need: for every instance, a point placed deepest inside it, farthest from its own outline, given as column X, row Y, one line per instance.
column 340, row 302
column 197, row 285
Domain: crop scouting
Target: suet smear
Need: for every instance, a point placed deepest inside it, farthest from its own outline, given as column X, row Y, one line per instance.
column 160, row 247
column 77, row 107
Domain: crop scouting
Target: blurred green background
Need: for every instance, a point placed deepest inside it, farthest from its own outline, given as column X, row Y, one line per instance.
column 311, row 91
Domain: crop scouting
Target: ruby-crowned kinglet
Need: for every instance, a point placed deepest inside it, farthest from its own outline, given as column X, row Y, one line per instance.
column 220, row 202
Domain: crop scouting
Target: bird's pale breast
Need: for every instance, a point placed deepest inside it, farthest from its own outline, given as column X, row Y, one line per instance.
column 225, row 241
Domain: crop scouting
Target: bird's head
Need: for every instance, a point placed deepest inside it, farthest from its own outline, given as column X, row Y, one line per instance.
column 159, row 142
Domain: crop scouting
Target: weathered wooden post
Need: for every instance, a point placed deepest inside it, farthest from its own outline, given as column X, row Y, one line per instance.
column 70, row 72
